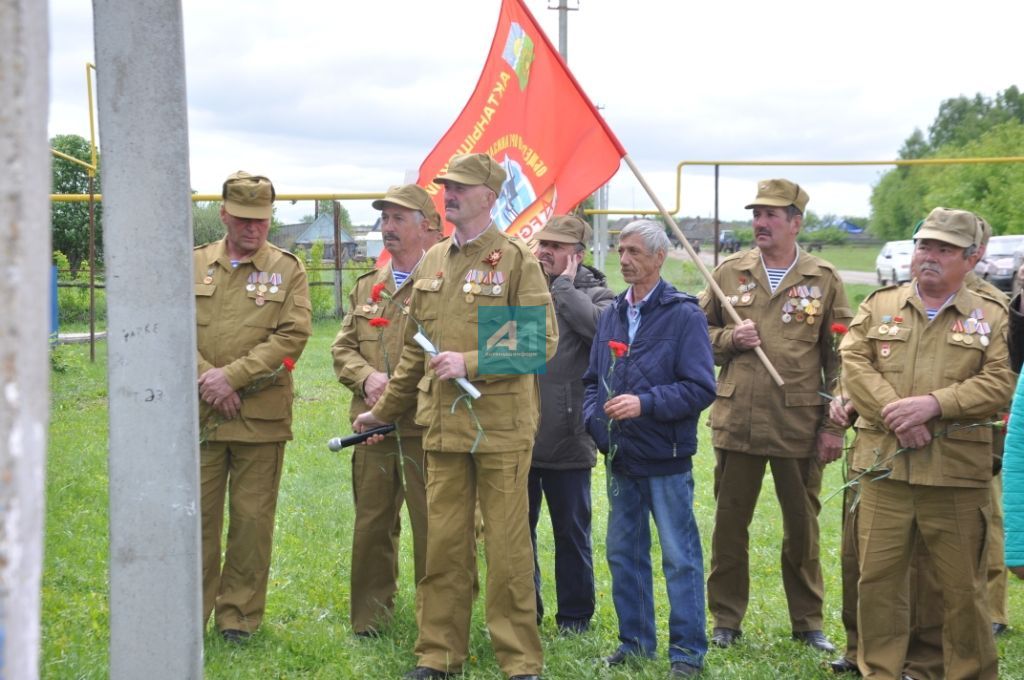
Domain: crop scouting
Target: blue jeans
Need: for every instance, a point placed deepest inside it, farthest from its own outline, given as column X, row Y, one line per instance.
column 568, row 496
column 670, row 500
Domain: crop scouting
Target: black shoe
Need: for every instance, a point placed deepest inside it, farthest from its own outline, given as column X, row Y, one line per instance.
column 369, row 633
column 573, row 626
column 681, row 669
column 425, row 673
column 617, row 659
column 725, row 637
column 998, row 629
column 815, row 639
column 235, row 636
column 843, row 665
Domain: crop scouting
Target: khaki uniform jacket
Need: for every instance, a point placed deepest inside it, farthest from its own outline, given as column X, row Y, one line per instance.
column 508, row 409
column 970, row 378
column 250, row 341
column 751, row 413
column 360, row 349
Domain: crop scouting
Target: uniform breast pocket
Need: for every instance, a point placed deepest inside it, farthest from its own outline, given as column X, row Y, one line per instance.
column 890, row 349
column 962, row 358
column 204, row 303
column 427, row 298
column 265, row 314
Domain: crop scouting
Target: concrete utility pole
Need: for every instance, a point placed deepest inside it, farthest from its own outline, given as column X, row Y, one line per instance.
column 155, row 610
column 24, row 321
column 563, row 26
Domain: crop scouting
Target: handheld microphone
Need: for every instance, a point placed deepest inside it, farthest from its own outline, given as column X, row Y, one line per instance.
column 338, row 443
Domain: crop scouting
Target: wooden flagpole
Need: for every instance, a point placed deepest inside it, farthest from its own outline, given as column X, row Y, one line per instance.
column 722, row 298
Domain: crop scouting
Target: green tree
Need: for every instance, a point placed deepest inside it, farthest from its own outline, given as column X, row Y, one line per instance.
column 206, row 224
column 69, row 222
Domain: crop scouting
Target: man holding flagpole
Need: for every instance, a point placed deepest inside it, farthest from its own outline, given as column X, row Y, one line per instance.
column 476, row 448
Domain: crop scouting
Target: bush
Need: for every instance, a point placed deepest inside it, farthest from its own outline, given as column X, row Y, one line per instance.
column 73, row 302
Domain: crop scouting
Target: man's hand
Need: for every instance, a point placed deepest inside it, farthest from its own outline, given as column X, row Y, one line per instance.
column 830, row 447
column 216, row 391
column 374, row 386
column 744, row 336
column 914, row 437
column 841, row 411
column 572, row 264
column 448, row 365
column 622, row 406
column 909, row 412
column 214, row 386
column 367, row 421
column 228, row 407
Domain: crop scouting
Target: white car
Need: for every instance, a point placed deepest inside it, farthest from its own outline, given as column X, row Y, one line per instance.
column 893, row 262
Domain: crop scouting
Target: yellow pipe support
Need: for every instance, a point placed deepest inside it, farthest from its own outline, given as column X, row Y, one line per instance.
column 66, row 157
column 898, row 162
column 89, row 68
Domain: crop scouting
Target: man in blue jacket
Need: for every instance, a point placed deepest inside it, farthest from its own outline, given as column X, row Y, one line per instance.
column 651, row 374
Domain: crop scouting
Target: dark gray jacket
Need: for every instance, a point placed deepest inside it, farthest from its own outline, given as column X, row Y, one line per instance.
column 562, row 442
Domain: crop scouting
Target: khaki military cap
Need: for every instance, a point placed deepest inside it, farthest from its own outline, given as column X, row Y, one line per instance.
column 780, row 193
column 413, row 197
column 249, row 196
column 474, row 169
column 957, row 227
column 984, row 230
column 564, row 229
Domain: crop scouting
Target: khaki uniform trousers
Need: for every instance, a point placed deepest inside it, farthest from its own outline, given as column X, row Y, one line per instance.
column 738, row 479
column 251, row 476
column 378, row 493
column 952, row 523
column 924, row 654
column 444, row 598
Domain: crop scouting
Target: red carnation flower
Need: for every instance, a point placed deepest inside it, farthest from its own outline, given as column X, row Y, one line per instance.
column 379, row 322
column 289, row 364
column 840, row 329
column 619, row 349
column 375, row 292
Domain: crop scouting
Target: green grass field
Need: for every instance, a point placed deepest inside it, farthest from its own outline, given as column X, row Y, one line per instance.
column 306, row 632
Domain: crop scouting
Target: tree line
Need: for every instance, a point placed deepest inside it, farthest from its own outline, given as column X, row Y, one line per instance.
column 965, row 127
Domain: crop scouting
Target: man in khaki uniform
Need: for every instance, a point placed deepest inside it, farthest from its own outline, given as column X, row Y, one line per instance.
column 788, row 301
column 252, row 314
column 924, row 650
column 366, row 352
column 926, row 365
column 477, row 268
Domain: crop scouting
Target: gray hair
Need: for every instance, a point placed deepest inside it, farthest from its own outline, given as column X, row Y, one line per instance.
column 650, row 232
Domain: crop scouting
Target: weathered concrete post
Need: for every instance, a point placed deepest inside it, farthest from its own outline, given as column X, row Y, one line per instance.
column 24, row 321
column 155, row 627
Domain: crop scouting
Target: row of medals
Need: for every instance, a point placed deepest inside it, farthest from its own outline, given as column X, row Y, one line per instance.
column 261, row 283
column 890, row 326
column 965, row 330
column 477, row 281
column 804, row 305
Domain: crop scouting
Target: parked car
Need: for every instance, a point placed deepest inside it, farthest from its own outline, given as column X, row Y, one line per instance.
column 893, row 262
column 1002, row 259
column 727, row 241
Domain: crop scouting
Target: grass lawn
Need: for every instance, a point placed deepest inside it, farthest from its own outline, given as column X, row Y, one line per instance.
column 857, row 258
column 306, row 632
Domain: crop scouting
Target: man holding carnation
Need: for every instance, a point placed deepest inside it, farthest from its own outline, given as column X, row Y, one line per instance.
column 650, row 375
column 366, row 351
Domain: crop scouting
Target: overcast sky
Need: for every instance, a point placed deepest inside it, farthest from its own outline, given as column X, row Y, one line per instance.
column 346, row 96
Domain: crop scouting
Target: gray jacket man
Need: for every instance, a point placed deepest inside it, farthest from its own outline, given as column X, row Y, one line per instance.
column 563, row 453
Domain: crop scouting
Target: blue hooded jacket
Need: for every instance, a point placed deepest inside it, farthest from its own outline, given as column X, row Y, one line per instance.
column 669, row 366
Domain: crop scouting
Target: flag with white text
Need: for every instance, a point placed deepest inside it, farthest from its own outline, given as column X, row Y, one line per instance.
column 530, row 115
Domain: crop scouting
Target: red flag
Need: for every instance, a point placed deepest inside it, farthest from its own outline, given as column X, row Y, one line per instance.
column 530, row 115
